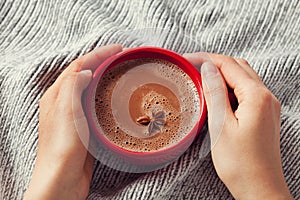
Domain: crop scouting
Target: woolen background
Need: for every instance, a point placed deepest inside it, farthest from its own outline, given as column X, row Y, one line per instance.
column 39, row 38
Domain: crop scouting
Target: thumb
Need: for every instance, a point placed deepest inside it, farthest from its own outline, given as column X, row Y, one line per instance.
column 82, row 81
column 215, row 93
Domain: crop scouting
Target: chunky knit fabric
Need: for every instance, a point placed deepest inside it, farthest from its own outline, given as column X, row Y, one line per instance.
column 39, row 38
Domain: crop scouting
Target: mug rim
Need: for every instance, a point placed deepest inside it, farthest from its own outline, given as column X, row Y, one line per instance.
column 135, row 53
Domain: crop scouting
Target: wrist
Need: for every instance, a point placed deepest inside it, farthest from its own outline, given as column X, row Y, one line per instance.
column 260, row 187
column 54, row 183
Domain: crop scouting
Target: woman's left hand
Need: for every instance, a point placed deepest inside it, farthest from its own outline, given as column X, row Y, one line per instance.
column 63, row 168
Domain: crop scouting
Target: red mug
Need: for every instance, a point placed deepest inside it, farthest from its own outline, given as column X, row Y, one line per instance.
column 145, row 160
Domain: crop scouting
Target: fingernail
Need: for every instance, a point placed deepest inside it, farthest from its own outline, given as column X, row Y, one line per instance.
column 190, row 55
column 102, row 48
column 202, row 55
column 197, row 59
column 209, row 69
column 85, row 72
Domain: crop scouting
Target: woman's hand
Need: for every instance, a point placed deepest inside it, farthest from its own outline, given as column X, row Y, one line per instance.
column 246, row 155
column 63, row 168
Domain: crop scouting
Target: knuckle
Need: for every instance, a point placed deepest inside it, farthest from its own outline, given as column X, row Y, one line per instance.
column 243, row 61
column 230, row 58
column 69, row 77
column 226, row 60
column 76, row 64
column 277, row 104
column 265, row 95
column 265, row 98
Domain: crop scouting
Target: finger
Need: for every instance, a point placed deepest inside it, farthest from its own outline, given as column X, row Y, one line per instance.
column 233, row 73
column 82, row 80
column 69, row 109
column 93, row 59
column 197, row 59
column 245, row 65
column 218, row 105
column 90, row 61
column 71, row 87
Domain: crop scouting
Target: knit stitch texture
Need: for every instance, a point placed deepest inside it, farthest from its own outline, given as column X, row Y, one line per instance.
column 39, row 38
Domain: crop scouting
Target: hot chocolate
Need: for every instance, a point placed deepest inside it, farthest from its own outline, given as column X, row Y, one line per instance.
column 145, row 105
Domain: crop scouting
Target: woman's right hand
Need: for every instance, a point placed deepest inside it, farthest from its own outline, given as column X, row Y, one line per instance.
column 247, row 153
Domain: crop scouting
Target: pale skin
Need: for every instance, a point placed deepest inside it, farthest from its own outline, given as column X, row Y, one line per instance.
column 246, row 156
column 63, row 168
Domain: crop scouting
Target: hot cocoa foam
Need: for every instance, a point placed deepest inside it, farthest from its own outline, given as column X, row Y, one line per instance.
column 139, row 89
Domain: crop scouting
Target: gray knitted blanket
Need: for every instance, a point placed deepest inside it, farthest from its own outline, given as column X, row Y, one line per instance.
column 39, row 38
